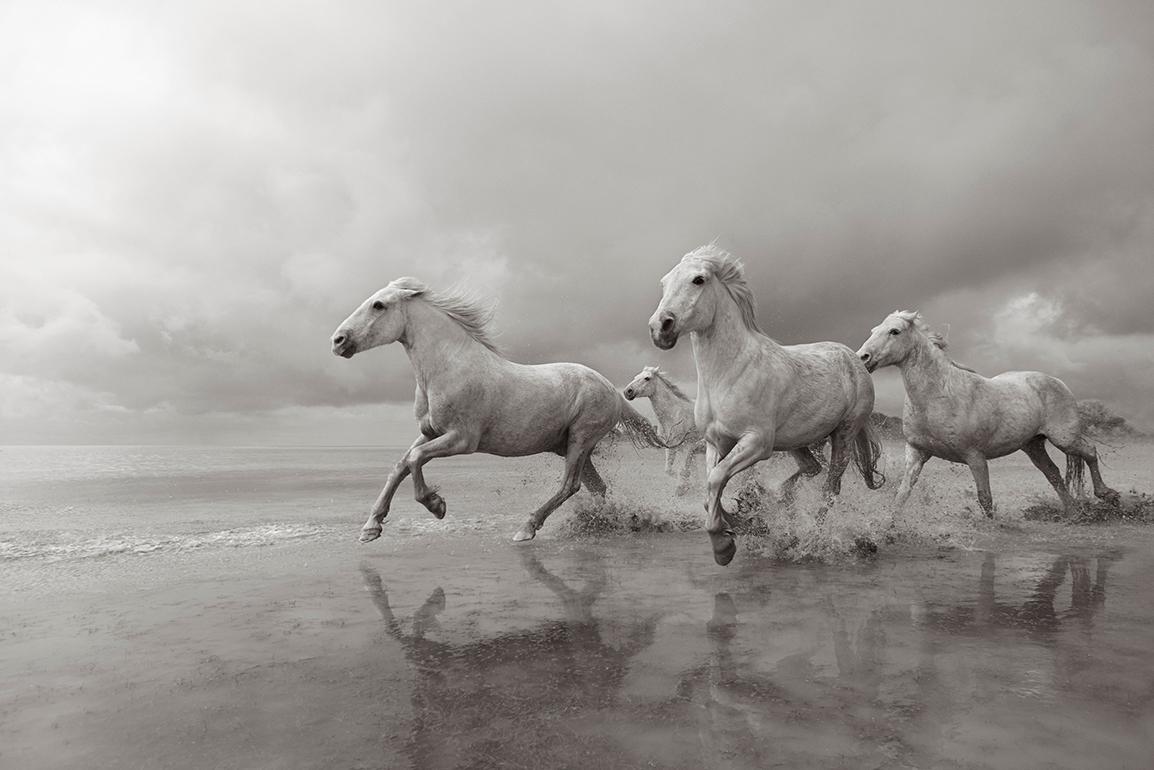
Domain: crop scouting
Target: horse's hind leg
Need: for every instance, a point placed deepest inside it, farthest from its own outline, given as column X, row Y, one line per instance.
column 686, row 471
column 807, row 465
column 981, row 471
column 576, row 457
column 1035, row 448
column 446, row 445
column 592, row 479
column 838, row 461
column 372, row 529
column 1080, row 447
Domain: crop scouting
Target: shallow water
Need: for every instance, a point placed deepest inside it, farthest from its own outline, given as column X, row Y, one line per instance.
column 446, row 652
column 181, row 608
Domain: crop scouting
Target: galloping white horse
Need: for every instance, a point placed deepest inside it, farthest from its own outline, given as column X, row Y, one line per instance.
column 674, row 412
column 957, row 414
column 471, row 399
column 755, row 396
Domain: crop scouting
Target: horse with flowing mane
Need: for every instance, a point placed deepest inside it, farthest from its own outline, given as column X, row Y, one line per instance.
column 471, row 399
column 754, row 396
column 955, row 413
column 674, row 412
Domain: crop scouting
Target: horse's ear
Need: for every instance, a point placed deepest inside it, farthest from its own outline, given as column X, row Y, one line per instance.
column 408, row 287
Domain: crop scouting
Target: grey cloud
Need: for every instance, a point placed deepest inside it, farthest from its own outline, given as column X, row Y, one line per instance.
column 223, row 211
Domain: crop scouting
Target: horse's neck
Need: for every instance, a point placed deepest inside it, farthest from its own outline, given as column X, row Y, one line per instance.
column 721, row 349
column 437, row 346
column 927, row 373
column 670, row 409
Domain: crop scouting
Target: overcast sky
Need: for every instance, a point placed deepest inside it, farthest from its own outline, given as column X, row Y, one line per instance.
column 192, row 198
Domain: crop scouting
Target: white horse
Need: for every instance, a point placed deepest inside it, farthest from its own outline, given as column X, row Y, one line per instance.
column 471, row 399
column 957, row 414
column 674, row 412
column 755, row 396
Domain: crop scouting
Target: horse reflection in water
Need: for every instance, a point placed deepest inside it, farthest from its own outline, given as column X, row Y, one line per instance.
column 751, row 717
column 1037, row 616
column 515, row 700
column 895, row 685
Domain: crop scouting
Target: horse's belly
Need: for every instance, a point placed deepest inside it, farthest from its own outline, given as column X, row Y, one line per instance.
column 518, row 438
column 791, row 437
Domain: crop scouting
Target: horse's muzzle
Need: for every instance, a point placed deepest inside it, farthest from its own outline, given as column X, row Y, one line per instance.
column 663, row 339
column 628, row 394
column 344, row 346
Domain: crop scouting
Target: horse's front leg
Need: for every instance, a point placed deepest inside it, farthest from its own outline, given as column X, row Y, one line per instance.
column 372, row 529
column 670, row 458
column 451, row 443
column 747, row 451
column 915, row 460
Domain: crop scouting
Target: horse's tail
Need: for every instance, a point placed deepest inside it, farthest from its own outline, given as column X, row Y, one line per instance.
column 1075, row 479
column 639, row 431
column 867, row 451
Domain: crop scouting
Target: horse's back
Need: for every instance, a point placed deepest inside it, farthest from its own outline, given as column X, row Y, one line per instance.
column 830, row 387
column 533, row 407
column 1057, row 409
column 826, row 367
column 1003, row 412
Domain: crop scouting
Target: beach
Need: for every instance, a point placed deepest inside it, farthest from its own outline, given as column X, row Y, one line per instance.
column 186, row 608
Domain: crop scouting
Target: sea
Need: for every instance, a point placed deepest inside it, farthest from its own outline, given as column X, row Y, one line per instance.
column 84, row 502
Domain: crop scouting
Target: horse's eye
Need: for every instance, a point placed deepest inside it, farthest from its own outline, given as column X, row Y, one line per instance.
column 699, row 280
column 895, row 332
column 378, row 305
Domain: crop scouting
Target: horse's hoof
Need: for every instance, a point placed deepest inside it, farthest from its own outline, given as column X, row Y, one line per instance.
column 724, row 547
column 369, row 535
column 524, row 534
column 434, row 504
column 1112, row 497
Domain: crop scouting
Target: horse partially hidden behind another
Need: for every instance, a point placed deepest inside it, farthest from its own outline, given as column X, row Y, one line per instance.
column 957, row 414
column 471, row 399
column 755, row 396
column 674, row 412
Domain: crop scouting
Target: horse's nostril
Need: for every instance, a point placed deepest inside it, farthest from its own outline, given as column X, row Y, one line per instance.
column 667, row 324
column 865, row 356
column 339, row 339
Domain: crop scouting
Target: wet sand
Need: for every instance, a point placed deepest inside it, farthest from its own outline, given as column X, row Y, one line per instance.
column 442, row 651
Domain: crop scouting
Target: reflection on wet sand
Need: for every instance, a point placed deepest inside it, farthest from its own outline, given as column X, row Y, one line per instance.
column 791, row 666
column 512, row 700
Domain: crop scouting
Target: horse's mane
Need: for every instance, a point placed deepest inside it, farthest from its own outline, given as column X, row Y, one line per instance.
column 729, row 270
column 470, row 314
column 914, row 318
column 668, row 383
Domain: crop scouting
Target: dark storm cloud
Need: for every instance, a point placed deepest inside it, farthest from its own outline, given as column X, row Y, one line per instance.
column 194, row 200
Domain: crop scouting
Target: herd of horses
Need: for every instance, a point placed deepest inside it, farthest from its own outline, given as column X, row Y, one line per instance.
column 754, row 397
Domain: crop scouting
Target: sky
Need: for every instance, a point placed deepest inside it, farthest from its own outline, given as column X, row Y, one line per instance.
column 194, row 195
